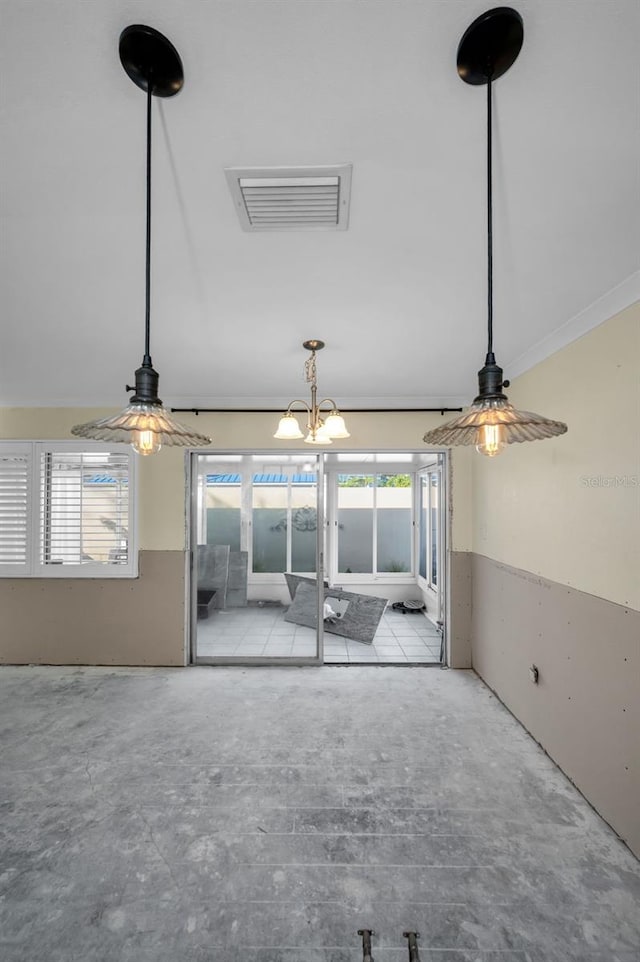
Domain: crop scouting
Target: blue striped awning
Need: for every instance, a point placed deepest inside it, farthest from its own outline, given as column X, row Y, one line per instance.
column 262, row 478
column 104, row 479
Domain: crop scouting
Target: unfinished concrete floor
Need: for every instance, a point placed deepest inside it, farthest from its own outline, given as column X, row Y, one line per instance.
column 265, row 814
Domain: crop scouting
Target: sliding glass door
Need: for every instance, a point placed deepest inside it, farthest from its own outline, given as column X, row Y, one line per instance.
column 255, row 555
column 267, row 529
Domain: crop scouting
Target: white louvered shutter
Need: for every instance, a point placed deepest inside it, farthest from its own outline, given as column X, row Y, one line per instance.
column 15, row 516
column 84, row 511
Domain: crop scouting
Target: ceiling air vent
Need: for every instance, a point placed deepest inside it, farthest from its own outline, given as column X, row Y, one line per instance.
column 291, row 198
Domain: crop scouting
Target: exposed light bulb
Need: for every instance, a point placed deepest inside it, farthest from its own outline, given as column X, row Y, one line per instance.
column 146, row 442
column 491, row 440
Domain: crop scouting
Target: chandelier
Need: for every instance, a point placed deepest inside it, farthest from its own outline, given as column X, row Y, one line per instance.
column 320, row 430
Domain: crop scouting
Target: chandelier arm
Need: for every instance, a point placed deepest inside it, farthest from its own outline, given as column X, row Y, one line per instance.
column 299, row 401
column 489, row 217
column 328, row 400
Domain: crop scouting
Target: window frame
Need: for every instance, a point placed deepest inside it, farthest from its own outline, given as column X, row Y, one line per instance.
column 246, row 470
column 424, row 482
column 332, row 524
column 268, row 576
column 34, row 567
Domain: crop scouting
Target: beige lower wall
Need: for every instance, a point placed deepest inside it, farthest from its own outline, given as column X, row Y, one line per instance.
column 87, row 621
column 585, row 710
column 459, row 614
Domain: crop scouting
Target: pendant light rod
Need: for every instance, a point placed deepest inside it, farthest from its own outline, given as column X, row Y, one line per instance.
column 147, row 292
column 489, row 218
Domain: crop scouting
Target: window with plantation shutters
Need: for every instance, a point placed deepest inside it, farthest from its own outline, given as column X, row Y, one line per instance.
column 84, row 508
column 67, row 510
column 14, row 511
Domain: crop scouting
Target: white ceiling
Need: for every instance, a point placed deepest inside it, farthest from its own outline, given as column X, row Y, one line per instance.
column 400, row 296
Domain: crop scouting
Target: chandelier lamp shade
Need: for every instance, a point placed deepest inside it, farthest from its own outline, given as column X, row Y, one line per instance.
column 486, row 51
column 320, row 430
column 153, row 64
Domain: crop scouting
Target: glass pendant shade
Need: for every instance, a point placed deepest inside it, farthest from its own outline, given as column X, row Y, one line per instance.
column 288, row 429
column 335, row 427
column 492, row 423
column 145, row 426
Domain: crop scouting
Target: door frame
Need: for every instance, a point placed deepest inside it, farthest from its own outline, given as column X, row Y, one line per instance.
column 443, row 461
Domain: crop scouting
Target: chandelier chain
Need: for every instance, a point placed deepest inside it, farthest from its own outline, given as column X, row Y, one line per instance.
column 310, row 369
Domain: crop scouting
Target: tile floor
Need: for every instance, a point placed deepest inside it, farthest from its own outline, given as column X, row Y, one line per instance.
column 255, row 632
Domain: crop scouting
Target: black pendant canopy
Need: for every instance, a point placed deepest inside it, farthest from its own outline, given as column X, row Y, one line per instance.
column 490, row 45
column 149, row 58
column 154, row 65
column 488, row 48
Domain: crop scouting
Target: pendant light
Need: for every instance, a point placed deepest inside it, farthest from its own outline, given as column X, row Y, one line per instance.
column 487, row 49
column 154, row 65
column 320, row 430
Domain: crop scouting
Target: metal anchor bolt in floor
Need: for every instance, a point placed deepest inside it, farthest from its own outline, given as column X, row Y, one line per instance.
column 414, row 955
column 366, row 944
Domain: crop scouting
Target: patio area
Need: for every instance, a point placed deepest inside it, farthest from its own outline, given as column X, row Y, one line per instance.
column 262, row 632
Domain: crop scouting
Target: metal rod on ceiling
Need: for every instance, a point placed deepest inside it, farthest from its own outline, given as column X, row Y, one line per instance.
column 346, row 410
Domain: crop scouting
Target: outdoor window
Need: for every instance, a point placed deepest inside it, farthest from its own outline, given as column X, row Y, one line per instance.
column 271, row 515
column 374, row 524
column 269, row 520
column 223, row 505
column 284, row 523
column 66, row 510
